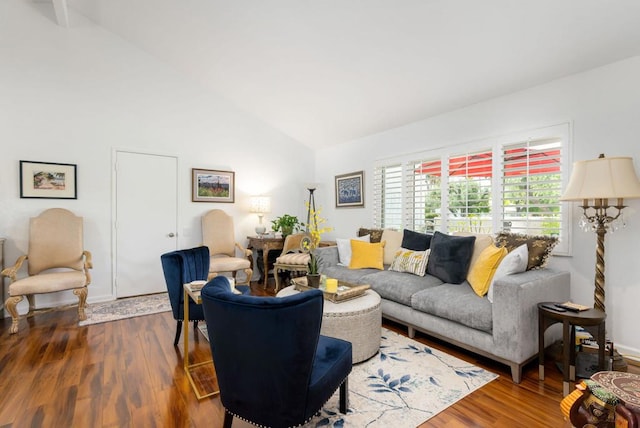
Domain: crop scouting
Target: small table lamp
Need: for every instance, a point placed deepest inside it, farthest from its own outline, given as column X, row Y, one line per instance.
column 595, row 182
column 260, row 205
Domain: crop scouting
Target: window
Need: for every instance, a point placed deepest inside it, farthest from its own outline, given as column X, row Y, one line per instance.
column 510, row 183
column 387, row 188
column 469, row 191
column 531, row 187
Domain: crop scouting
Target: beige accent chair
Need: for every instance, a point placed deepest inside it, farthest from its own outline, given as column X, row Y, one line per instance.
column 56, row 261
column 293, row 257
column 218, row 235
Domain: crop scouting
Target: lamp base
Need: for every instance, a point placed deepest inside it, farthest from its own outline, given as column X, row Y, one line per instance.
column 260, row 229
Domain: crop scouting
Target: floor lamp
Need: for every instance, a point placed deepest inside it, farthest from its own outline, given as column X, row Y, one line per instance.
column 311, row 206
column 595, row 182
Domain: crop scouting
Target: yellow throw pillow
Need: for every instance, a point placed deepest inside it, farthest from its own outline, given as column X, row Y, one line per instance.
column 484, row 268
column 366, row 255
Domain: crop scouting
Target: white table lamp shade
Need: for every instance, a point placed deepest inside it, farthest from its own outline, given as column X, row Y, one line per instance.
column 260, row 204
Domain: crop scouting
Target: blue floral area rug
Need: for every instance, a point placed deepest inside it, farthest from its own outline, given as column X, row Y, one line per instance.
column 402, row 386
column 126, row 308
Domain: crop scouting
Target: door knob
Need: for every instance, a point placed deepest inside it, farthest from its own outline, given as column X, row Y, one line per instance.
column 171, row 235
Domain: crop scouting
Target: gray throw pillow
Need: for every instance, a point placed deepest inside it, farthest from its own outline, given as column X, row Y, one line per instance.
column 450, row 257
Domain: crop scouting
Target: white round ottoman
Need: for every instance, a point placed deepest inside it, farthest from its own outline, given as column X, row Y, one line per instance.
column 357, row 320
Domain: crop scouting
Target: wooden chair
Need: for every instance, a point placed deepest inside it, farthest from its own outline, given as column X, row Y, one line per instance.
column 218, row 235
column 55, row 242
column 293, row 258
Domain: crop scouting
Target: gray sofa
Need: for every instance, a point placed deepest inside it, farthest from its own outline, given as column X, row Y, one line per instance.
column 505, row 330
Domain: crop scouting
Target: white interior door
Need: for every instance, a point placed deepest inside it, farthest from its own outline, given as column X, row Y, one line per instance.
column 145, row 220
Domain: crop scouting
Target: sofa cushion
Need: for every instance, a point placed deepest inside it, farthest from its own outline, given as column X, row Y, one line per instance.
column 366, row 255
column 414, row 262
column 344, row 248
column 455, row 303
column 514, row 262
column 393, row 241
column 450, row 257
column 415, row 240
column 398, row 287
column 539, row 247
column 482, row 271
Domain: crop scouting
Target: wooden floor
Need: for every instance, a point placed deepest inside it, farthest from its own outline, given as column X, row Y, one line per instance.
column 128, row 374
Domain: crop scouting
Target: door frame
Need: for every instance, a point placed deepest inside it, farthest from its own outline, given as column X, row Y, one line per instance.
column 114, row 203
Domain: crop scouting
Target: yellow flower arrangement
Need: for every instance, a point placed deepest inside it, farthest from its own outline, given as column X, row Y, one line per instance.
column 316, row 228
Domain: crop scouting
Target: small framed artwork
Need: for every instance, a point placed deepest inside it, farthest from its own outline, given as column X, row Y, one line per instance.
column 350, row 190
column 208, row 185
column 48, row 180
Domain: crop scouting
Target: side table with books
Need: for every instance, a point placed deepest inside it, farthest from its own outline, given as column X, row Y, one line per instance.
column 592, row 320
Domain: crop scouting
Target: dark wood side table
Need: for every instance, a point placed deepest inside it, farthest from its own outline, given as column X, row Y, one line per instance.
column 265, row 245
column 592, row 320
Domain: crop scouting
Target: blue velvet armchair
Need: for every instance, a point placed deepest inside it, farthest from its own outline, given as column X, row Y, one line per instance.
column 181, row 267
column 273, row 367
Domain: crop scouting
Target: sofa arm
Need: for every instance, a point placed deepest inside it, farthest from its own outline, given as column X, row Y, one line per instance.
column 327, row 257
column 515, row 309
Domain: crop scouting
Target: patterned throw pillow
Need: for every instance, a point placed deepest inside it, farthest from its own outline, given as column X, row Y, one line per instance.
column 376, row 234
column 539, row 247
column 414, row 262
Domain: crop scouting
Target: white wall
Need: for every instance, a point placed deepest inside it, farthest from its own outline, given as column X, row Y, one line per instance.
column 73, row 95
column 601, row 104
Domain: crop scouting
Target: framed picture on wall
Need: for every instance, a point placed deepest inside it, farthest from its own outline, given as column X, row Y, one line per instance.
column 208, row 185
column 48, row 180
column 350, row 190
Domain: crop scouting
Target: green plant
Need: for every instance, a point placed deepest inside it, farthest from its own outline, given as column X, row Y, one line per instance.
column 286, row 224
column 313, row 264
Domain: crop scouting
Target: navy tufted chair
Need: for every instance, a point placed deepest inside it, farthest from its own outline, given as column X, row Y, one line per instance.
column 274, row 369
column 181, row 267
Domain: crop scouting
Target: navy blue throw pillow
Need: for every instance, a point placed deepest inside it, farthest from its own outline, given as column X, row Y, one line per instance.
column 415, row 241
column 450, row 257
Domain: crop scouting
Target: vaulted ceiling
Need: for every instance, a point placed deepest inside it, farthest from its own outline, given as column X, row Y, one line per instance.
column 329, row 71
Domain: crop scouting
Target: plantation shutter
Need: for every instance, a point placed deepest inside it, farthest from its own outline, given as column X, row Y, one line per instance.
column 531, row 187
column 423, row 195
column 469, row 192
column 387, row 185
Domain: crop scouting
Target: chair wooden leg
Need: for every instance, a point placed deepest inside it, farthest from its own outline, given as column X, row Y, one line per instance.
column 178, row 331
column 276, row 276
column 11, row 304
column 248, row 274
column 344, row 396
column 82, row 301
column 228, row 419
column 32, row 304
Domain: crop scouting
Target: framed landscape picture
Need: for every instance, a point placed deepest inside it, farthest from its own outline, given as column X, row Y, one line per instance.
column 48, row 180
column 350, row 190
column 208, row 185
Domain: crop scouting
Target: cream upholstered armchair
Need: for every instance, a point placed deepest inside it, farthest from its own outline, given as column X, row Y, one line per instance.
column 218, row 235
column 293, row 258
column 56, row 261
